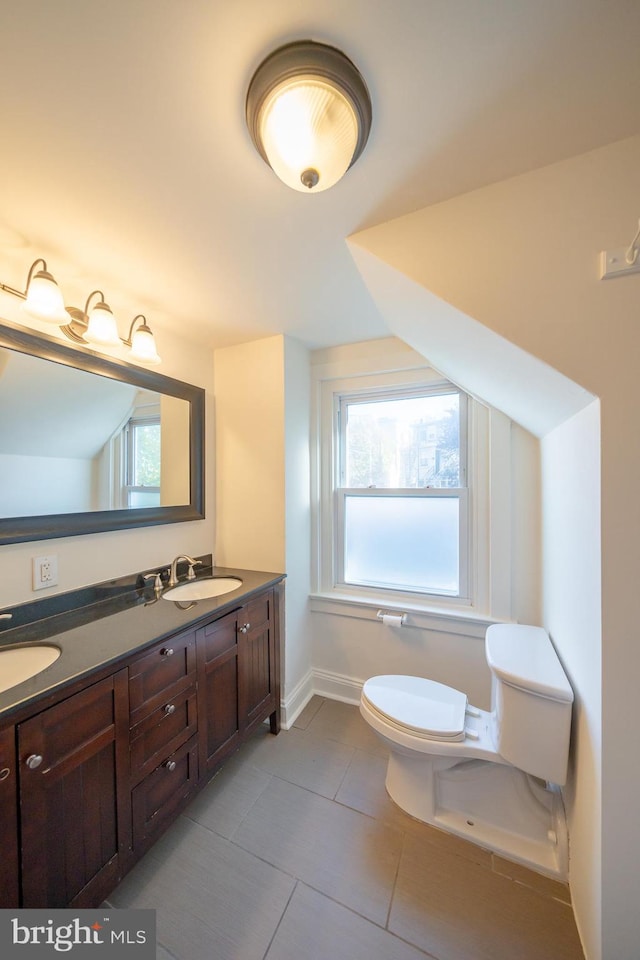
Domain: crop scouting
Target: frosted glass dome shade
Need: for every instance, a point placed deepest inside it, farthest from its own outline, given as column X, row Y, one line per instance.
column 44, row 300
column 102, row 327
column 143, row 346
column 309, row 132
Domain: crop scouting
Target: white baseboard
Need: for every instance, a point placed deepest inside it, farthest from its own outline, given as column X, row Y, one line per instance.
column 293, row 705
column 333, row 686
column 336, row 686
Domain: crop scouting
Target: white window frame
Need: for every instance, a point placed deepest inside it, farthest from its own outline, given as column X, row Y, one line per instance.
column 341, row 492
column 488, row 501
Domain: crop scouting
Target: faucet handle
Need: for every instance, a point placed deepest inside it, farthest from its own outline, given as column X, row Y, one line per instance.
column 191, row 575
column 157, row 580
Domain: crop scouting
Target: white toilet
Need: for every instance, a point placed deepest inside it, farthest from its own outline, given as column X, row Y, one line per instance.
column 494, row 776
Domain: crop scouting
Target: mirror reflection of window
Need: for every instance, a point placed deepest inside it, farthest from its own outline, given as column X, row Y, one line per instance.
column 142, row 460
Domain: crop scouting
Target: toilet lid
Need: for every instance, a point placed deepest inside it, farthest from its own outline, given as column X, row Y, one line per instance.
column 426, row 708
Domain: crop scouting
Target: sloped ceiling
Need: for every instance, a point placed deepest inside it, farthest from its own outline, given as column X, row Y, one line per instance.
column 127, row 164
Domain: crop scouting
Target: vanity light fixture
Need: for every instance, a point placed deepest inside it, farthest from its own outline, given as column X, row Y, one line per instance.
column 41, row 295
column 95, row 324
column 308, row 111
column 141, row 342
column 101, row 323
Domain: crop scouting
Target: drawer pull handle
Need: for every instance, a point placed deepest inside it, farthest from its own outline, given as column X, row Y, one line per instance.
column 34, row 761
column 170, row 708
column 245, row 628
column 4, row 773
column 170, row 765
column 167, row 652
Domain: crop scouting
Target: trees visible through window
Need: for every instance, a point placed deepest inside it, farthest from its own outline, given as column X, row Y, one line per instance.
column 142, row 471
column 401, row 491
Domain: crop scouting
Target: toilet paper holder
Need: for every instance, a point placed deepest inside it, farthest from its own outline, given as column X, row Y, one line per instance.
column 392, row 619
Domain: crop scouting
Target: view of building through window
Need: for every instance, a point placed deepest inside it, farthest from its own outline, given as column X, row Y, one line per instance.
column 403, row 443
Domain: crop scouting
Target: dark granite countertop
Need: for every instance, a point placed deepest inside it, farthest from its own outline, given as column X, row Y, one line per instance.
column 113, row 621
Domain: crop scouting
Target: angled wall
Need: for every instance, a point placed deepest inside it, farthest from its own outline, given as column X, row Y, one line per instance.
column 521, row 258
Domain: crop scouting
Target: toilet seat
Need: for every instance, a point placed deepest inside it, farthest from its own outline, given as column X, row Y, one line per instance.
column 417, row 705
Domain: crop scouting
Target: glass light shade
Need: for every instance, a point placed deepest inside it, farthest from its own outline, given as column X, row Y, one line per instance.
column 101, row 327
column 44, row 299
column 143, row 346
column 307, row 124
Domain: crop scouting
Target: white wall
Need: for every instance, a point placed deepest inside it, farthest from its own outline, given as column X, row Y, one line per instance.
column 262, row 456
column 572, row 614
column 250, row 465
column 297, row 659
column 45, row 484
column 521, row 258
column 92, row 558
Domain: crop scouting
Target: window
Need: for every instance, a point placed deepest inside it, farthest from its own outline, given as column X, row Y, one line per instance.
column 401, row 497
column 142, row 462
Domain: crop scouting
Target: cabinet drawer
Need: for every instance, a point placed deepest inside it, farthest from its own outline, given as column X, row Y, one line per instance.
column 160, row 674
column 160, row 796
column 162, row 731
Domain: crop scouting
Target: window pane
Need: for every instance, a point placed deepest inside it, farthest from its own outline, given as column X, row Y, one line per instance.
column 146, row 455
column 408, row 543
column 407, row 442
column 144, row 498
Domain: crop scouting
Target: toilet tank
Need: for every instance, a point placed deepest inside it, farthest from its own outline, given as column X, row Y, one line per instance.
column 531, row 700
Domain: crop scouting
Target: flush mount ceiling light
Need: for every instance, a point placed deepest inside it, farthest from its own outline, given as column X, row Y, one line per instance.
column 309, row 114
column 96, row 325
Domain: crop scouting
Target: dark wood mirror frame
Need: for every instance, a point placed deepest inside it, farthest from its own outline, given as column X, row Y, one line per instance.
column 22, row 529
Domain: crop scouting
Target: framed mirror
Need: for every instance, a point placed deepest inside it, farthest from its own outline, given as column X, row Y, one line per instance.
column 89, row 444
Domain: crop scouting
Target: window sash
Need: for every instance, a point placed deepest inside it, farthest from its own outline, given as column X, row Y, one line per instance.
column 344, row 400
column 460, row 494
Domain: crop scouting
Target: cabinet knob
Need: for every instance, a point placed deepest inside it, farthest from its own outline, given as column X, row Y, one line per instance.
column 170, row 765
column 4, row 773
column 34, row 761
column 166, row 652
column 245, row 628
column 170, row 708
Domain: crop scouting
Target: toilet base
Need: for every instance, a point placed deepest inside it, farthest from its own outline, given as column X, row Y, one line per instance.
column 494, row 805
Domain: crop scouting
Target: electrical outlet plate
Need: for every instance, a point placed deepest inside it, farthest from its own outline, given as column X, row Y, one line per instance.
column 613, row 263
column 45, row 572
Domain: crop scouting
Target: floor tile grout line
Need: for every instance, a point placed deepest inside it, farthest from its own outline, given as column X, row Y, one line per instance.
column 278, row 924
column 362, row 916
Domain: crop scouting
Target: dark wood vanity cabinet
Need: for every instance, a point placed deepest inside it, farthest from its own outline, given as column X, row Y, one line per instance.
column 238, row 678
column 9, row 865
column 73, row 804
column 258, row 690
column 218, row 709
column 163, row 749
column 90, row 782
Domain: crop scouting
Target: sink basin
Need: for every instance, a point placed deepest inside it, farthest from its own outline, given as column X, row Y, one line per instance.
column 202, row 589
column 20, row 663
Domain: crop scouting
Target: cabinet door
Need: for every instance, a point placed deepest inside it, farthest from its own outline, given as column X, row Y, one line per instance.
column 73, row 798
column 8, row 820
column 218, row 719
column 256, row 657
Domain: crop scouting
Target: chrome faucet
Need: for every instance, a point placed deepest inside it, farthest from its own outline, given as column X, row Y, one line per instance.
column 173, row 576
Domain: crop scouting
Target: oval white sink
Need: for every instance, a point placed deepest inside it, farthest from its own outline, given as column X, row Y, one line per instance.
column 202, row 589
column 20, row 663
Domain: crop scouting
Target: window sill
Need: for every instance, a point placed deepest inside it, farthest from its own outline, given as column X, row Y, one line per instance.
column 459, row 621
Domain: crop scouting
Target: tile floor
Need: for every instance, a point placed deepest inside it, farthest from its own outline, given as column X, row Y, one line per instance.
column 294, row 850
